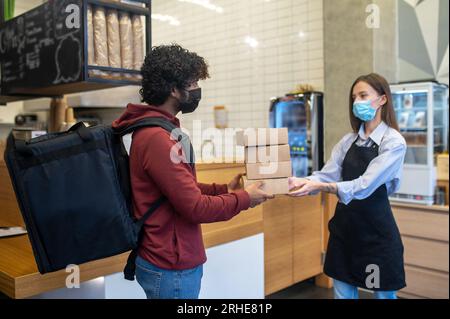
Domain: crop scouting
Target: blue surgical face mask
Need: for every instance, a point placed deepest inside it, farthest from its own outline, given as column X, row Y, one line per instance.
column 364, row 110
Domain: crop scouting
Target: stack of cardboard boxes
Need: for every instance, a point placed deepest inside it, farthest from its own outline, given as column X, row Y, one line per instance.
column 267, row 158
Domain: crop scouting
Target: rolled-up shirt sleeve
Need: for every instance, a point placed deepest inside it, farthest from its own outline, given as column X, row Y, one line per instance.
column 386, row 167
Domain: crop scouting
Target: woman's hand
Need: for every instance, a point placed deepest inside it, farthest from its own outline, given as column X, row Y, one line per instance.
column 235, row 183
column 296, row 183
column 302, row 187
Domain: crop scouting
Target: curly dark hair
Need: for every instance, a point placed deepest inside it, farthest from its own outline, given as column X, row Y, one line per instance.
column 167, row 67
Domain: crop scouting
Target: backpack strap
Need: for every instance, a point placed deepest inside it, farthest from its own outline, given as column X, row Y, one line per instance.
column 176, row 133
column 130, row 268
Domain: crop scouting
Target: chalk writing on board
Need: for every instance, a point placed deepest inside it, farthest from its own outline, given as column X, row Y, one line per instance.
column 13, row 37
column 40, row 48
column 67, row 71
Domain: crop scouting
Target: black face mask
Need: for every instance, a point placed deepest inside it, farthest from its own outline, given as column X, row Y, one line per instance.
column 190, row 104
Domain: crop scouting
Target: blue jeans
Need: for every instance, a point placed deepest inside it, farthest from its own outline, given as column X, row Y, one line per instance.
column 168, row 284
column 346, row 291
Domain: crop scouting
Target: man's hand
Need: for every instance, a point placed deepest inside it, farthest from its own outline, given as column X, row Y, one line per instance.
column 257, row 196
column 235, row 183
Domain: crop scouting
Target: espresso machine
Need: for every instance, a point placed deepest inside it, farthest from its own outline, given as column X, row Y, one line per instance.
column 302, row 114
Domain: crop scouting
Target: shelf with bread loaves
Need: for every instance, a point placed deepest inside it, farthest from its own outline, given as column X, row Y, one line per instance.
column 84, row 45
column 267, row 158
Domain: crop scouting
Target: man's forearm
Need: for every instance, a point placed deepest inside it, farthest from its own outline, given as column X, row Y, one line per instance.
column 213, row 189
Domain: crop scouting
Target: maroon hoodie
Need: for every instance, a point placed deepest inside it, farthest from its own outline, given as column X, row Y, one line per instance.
column 172, row 235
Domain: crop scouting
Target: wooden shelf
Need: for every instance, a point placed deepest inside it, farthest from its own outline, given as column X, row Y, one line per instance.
column 59, row 65
column 136, row 9
column 70, row 88
column 4, row 99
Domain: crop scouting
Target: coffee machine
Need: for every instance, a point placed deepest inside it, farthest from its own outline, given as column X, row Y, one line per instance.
column 302, row 114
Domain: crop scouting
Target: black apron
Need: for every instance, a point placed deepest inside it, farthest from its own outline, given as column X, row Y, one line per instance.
column 364, row 233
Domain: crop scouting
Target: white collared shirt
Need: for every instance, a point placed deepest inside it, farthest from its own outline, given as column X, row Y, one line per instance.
column 386, row 168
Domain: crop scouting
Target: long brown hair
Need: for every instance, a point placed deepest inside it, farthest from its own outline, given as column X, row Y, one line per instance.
column 379, row 84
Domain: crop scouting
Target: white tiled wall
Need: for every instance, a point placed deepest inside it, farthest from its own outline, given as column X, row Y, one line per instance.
column 256, row 49
column 288, row 50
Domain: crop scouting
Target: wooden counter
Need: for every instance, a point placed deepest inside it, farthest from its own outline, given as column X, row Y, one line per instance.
column 425, row 236
column 19, row 277
column 293, row 231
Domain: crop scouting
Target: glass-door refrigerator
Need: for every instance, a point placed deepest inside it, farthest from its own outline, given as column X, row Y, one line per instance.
column 302, row 114
column 422, row 115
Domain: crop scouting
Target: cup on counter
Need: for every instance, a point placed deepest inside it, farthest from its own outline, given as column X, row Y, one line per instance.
column 439, row 197
column 26, row 133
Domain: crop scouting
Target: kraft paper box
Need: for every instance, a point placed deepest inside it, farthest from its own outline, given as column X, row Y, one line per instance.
column 276, row 186
column 267, row 154
column 268, row 170
column 262, row 137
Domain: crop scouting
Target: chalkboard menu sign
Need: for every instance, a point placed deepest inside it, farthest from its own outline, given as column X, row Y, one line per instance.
column 42, row 47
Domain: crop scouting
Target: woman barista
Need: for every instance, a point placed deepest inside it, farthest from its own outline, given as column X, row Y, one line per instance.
column 365, row 249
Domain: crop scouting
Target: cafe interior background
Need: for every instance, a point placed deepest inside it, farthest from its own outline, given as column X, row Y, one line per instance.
column 258, row 51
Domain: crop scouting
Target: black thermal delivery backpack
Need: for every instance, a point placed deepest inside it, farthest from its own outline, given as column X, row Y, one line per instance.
column 74, row 193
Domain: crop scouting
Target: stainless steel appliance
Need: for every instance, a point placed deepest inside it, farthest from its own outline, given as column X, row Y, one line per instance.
column 302, row 114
